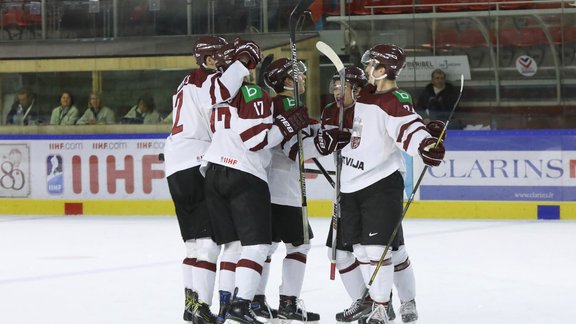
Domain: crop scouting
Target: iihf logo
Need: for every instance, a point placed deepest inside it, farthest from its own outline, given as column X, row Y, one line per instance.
column 54, row 174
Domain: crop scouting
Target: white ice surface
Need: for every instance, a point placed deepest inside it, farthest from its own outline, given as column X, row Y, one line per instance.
column 68, row 270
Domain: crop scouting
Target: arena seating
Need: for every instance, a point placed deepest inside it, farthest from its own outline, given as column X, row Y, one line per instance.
column 367, row 7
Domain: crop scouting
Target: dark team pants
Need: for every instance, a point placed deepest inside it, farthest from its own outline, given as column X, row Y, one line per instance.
column 187, row 191
column 287, row 225
column 369, row 215
column 239, row 206
column 398, row 240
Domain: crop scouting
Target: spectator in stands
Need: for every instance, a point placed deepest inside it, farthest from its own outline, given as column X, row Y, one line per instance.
column 438, row 98
column 96, row 113
column 167, row 119
column 143, row 112
column 66, row 113
column 25, row 110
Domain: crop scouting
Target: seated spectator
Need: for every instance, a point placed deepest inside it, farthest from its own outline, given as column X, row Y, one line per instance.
column 142, row 113
column 66, row 113
column 24, row 110
column 96, row 112
column 167, row 119
column 437, row 99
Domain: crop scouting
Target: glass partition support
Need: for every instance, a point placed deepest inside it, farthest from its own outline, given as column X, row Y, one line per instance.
column 554, row 56
column 188, row 17
column 493, row 56
column 97, row 81
column 264, row 15
column 43, row 19
column 211, row 18
column 114, row 18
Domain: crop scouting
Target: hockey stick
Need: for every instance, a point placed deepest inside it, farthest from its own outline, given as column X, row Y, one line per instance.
column 324, row 172
column 411, row 198
column 337, row 62
column 316, row 171
column 294, row 16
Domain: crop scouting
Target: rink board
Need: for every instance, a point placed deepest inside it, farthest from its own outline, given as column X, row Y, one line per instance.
column 486, row 174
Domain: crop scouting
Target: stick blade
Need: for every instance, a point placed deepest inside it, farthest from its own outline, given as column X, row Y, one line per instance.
column 331, row 54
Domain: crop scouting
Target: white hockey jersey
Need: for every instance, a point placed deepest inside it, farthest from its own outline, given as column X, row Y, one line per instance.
column 382, row 126
column 284, row 172
column 192, row 105
column 244, row 133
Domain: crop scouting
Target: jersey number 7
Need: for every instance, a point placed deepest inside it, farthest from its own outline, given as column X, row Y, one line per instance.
column 220, row 115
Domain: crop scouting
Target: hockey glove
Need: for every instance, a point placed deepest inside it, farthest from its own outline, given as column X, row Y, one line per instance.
column 291, row 121
column 431, row 155
column 248, row 52
column 327, row 141
column 435, row 128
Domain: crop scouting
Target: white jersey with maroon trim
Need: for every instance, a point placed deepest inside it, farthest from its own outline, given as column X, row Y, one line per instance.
column 244, row 133
column 284, row 172
column 192, row 104
column 382, row 125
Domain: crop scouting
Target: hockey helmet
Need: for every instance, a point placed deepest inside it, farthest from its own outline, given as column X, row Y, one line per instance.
column 352, row 74
column 390, row 56
column 207, row 46
column 278, row 71
column 224, row 56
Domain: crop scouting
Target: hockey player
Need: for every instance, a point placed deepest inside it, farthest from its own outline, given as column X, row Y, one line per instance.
column 371, row 182
column 184, row 147
column 236, row 184
column 346, row 261
column 285, row 192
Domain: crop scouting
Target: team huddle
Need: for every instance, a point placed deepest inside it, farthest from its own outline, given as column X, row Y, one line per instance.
column 231, row 162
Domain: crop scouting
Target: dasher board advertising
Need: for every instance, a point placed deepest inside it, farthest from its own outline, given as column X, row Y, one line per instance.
column 103, row 166
column 505, row 166
column 419, row 68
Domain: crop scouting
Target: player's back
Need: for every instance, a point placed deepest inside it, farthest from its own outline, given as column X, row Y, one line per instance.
column 190, row 135
column 241, row 130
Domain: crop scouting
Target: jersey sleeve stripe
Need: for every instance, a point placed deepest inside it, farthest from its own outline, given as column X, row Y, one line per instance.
column 256, row 137
column 293, row 152
column 224, row 92
column 260, row 146
column 213, row 89
column 403, row 130
column 409, row 137
column 253, row 131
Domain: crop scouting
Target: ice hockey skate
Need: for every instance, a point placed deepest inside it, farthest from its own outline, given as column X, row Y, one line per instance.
column 196, row 311
column 378, row 315
column 191, row 298
column 292, row 309
column 202, row 314
column 224, row 305
column 360, row 308
column 408, row 312
column 263, row 311
column 241, row 313
column 390, row 310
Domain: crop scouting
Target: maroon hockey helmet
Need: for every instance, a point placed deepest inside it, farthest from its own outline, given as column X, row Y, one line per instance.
column 390, row 56
column 352, row 74
column 224, row 56
column 207, row 46
column 278, row 71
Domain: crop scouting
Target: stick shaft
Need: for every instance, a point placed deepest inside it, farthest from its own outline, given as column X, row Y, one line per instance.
column 293, row 21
